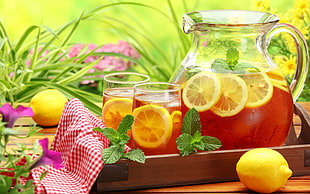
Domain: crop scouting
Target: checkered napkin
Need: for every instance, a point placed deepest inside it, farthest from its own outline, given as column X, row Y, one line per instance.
column 81, row 149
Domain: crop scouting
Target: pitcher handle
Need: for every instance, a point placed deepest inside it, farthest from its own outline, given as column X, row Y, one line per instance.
column 300, row 75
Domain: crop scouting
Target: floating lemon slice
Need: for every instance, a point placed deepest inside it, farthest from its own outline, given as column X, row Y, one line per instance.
column 152, row 126
column 114, row 110
column 233, row 97
column 176, row 117
column 202, row 91
column 260, row 89
column 278, row 80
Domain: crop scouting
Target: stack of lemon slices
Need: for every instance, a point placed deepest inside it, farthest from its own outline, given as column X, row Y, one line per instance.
column 226, row 94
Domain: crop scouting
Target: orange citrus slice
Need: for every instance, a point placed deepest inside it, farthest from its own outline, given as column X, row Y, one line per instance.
column 278, row 80
column 114, row 110
column 152, row 127
column 260, row 89
column 202, row 91
column 233, row 98
column 176, row 117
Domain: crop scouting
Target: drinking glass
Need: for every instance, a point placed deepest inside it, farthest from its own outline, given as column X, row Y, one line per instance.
column 117, row 96
column 158, row 117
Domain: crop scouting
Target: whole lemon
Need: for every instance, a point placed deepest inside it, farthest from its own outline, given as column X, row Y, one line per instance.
column 263, row 170
column 47, row 107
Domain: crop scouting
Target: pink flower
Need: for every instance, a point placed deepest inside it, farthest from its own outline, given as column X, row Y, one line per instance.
column 31, row 53
column 10, row 115
column 48, row 157
column 108, row 63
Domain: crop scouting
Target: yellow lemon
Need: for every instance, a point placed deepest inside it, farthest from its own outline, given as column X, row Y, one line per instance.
column 152, row 126
column 263, row 170
column 47, row 107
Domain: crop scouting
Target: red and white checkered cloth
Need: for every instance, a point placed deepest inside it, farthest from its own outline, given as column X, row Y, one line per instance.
column 81, row 149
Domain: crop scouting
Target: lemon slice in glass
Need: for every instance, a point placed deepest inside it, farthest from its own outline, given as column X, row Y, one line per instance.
column 260, row 89
column 233, row 97
column 152, row 126
column 114, row 110
column 202, row 91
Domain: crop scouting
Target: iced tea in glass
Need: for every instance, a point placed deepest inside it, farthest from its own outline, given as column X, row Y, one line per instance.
column 157, row 113
column 117, row 96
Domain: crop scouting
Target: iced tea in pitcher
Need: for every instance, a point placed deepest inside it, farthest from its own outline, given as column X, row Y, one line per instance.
column 243, row 111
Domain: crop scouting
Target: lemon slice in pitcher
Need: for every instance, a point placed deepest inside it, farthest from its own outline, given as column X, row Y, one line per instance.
column 233, row 97
column 202, row 91
column 278, row 80
column 260, row 89
column 152, row 126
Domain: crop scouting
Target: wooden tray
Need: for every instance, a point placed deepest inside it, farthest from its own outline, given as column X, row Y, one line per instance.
column 206, row 167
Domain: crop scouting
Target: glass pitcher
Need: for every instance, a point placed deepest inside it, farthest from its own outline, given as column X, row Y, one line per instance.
column 227, row 75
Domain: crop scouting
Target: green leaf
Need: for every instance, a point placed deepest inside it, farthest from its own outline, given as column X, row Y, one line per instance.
column 98, row 129
column 220, row 66
column 5, row 183
column 115, row 136
column 197, row 142
column 211, row 143
column 184, row 144
column 125, row 124
column 112, row 154
column 232, row 56
column 245, row 67
column 136, row 155
column 191, row 122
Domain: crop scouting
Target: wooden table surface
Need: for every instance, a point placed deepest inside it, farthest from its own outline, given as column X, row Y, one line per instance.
column 296, row 184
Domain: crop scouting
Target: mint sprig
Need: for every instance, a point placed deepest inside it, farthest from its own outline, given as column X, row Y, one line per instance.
column 232, row 64
column 118, row 139
column 191, row 140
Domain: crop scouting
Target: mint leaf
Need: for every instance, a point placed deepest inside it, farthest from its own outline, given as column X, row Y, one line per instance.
column 191, row 122
column 231, row 64
column 184, row 144
column 118, row 140
column 232, row 56
column 220, row 66
column 246, row 67
column 197, row 141
column 211, row 143
column 136, row 155
column 111, row 134
column 112, row 154
column 191, row 139
column 125, row 124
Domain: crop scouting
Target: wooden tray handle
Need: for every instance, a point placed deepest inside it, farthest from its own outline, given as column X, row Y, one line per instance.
column 304, row 137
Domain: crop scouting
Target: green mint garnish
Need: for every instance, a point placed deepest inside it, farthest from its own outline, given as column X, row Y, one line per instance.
column 118, row 139
column 191, row 139
column 231, row 64
column 232, row 57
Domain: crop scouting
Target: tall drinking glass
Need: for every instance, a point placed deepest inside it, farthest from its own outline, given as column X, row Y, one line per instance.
column 157, row 113
column 117, row 96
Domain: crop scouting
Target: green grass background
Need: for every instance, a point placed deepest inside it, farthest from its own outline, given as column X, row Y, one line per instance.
column 17, row 15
